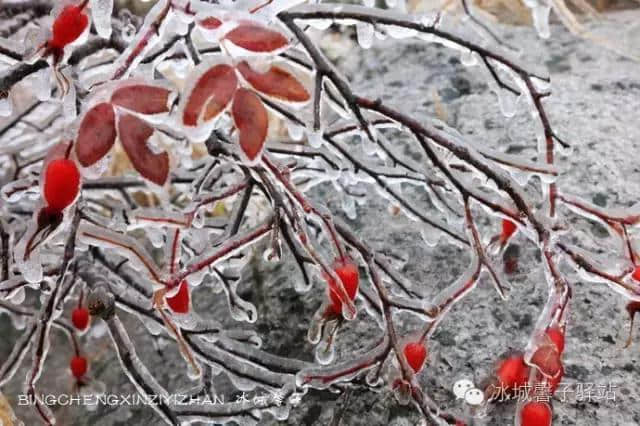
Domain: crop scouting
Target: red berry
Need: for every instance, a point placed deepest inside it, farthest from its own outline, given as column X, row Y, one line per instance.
column 535, row 414
column 68, row 26
column 555, row 381
column 557, row 337
column 348, row 273
column 61, row 183
column 508, row 229
column 78, row 366
column 415, row 353
column 513, row 372
column 636, row 274
column 547, row 359
column 80, row 318
column 179, row 302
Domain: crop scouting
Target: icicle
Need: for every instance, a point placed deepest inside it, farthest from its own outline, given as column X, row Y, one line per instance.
column 349, row 207
column 398, row 32
column 315, row 138
column 540, row 15
column 508, row 102
column 365, row 33
column 325, row 352
column 402, row 391
column 41, row 84
column 6, row 106
column 101, row 11
column 469, row 58
column 69, row 105
column 430, row 235
column 319, row 24
column 296, row 132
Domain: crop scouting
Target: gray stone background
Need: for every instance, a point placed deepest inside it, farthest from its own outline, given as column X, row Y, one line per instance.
column 595, row 104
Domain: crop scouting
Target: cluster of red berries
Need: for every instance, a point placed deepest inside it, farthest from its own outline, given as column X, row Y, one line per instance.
column 80, row 320
column 513, row 372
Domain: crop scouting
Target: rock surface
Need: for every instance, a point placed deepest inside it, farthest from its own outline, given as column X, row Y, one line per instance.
column 595, row 104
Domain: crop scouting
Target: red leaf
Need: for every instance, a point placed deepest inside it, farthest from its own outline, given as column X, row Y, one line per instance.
column 252, row 122
column 276, row 82
column 134, row 134
column 217, row 86
column 142, row 98
column 256, row 38
column 96, row 135
column 210, row 23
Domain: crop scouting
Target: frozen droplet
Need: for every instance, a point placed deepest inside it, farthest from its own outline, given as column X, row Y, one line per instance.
column 429, row 19
column 365, row 35
column 128, row 32
column 198, row 219
column 31, row 268
column 540, row 15
column 244, row 311
column 19, row 321
column 156, row 236
column 101, row 11
column 369, row 3
column 41, row 84
column 372, row 378
column 469, row 58
column 17, row 296
column 295, row 132
column 6, row 106
column 314, row 334
column 315, row 138
column 402, row 391
column 349, row 310
column 325, row 352
column 349, row 207
column 69, row 104
column 430, row 235
column 564, row 151
column 319, row 24
column 270, row 255
column 508, row 102
column 391, row 3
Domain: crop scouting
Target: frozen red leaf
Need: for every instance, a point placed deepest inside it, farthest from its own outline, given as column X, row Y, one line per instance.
column 134, row 134
column 96, row 135
column 252, row 122
column 275, row 82
column 142, row 98
column 256, row 38
column 217, row 86
column 210, row 23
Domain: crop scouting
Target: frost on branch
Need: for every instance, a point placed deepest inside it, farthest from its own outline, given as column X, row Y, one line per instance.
column 202, row 150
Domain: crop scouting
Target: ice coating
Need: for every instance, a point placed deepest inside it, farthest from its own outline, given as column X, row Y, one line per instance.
column 101, row 11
